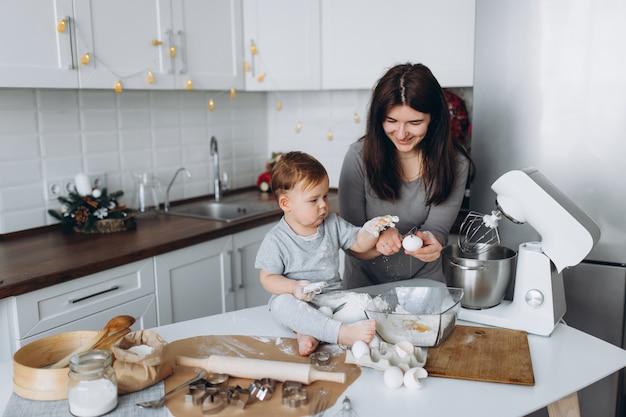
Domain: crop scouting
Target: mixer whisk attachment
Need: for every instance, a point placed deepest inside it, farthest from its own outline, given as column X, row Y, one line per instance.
column 479, row 232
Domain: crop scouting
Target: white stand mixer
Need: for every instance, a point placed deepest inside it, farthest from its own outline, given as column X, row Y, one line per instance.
column 567, row 236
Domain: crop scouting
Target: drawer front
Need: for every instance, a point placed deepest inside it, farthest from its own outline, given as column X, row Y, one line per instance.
column 51, row 307
column 143, row 309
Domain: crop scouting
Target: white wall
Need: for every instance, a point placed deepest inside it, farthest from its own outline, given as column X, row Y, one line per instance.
column 317, row 112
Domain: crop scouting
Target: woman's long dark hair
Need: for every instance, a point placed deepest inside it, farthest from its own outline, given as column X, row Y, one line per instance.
column 416, row 87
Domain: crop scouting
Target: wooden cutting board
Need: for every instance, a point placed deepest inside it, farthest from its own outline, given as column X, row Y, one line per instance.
column 483, row 354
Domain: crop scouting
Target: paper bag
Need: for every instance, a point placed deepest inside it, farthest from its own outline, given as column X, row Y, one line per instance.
column 143, row 365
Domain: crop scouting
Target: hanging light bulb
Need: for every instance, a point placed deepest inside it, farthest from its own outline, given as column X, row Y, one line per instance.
column 261, row 77
column 246, row 67
column 189, row 85
column 118, row 87
column 150, row 77
column 233, row 94
column 298, row 127
column 211, row 105
column 85, row 59
column 357, row 118
column 329, row 135
column 61, row 26
column 253, row 50
column 279, row 105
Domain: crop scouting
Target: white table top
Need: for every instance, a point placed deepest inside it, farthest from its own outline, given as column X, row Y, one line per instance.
column 562, row 364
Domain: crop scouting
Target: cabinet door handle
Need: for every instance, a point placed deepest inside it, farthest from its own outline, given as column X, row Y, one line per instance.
column 171, row 50
column 253, row 53
column 241, row 266
column 232, row 270
column 78, row 300
column 183, row 51
column 65, row 26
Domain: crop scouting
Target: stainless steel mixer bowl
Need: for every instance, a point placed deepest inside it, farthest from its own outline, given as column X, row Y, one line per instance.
column 484, row 277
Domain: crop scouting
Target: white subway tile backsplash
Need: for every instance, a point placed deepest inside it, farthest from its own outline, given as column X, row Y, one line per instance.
column 62, row 167
column 100, row 142
column 135, row 140
column 166, row 137
column 18, row 147
column 97, row 100
column 165, row 117
column 57, row 100
column 133, row 119
column 61, row 144
column 21, row 99
column 22, row 198
column 18, row 122
column 19, row 173
column 51, row 121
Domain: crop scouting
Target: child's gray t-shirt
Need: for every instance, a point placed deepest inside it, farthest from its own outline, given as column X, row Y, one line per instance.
column 314, row 258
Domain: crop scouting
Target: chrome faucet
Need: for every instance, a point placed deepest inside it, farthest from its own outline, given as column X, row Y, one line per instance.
column 166, row 206
column 216, row 166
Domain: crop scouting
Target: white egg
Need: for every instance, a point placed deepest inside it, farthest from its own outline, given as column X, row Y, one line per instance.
column 412, row 378
column 404, row 349
column 327, row 311
column 412, row 242
column 360, row 349
column 375, row 343
column 393, row 377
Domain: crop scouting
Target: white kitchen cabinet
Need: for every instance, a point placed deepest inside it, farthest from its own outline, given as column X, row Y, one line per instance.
column 159, row 44
column 210, row 278
column 246, row 284
column 86, row 303
column 34, row 52
column 191, row 282
column 361, row 39
column 286, row 35
column 210, row 49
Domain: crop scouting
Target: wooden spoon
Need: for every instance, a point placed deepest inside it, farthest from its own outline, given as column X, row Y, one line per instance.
column 110, row 340
column 114, row 325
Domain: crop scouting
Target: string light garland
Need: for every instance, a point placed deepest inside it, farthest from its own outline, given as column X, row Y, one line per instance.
column 90, row 58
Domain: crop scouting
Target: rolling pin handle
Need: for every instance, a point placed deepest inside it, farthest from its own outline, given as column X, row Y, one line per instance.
column 317, row 375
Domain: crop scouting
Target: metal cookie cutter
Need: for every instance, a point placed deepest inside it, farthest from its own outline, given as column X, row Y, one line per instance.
column 320, row 358
column 294, row 395
column 263, row 389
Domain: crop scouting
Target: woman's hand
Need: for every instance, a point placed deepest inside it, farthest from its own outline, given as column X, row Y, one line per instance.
column 389, row 242
column 430, row 250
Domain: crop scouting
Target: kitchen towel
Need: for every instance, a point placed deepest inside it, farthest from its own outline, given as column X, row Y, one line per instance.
column 126, row 406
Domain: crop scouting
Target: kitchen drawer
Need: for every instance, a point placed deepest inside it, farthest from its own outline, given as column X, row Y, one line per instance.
column 143, row 309
column 51, row 307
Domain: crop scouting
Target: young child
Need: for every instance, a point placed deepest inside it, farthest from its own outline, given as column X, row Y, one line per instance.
column 303, row 248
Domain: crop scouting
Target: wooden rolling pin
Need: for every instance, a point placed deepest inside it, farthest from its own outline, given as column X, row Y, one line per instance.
column 261, row 368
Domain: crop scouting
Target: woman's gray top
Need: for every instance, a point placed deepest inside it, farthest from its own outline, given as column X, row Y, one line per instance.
column 358, row 203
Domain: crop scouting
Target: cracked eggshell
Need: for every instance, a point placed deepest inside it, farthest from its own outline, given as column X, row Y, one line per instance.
column 412, row 378
column 412, row 242
column 393, row 377
column 404, row 348
column 360, row 349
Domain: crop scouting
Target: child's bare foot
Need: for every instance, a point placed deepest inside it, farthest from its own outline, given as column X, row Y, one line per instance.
column 306, row 344
column 361, row 330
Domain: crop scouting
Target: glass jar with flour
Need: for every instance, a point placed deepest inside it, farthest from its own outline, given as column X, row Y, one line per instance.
column 92, row 385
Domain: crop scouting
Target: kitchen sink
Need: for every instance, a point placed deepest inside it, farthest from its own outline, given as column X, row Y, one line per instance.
column 222, row 211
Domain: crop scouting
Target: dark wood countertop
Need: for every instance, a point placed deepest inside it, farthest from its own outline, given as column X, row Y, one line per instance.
column 43, row 257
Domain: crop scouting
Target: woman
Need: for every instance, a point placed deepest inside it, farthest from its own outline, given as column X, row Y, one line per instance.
column 407, row 165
